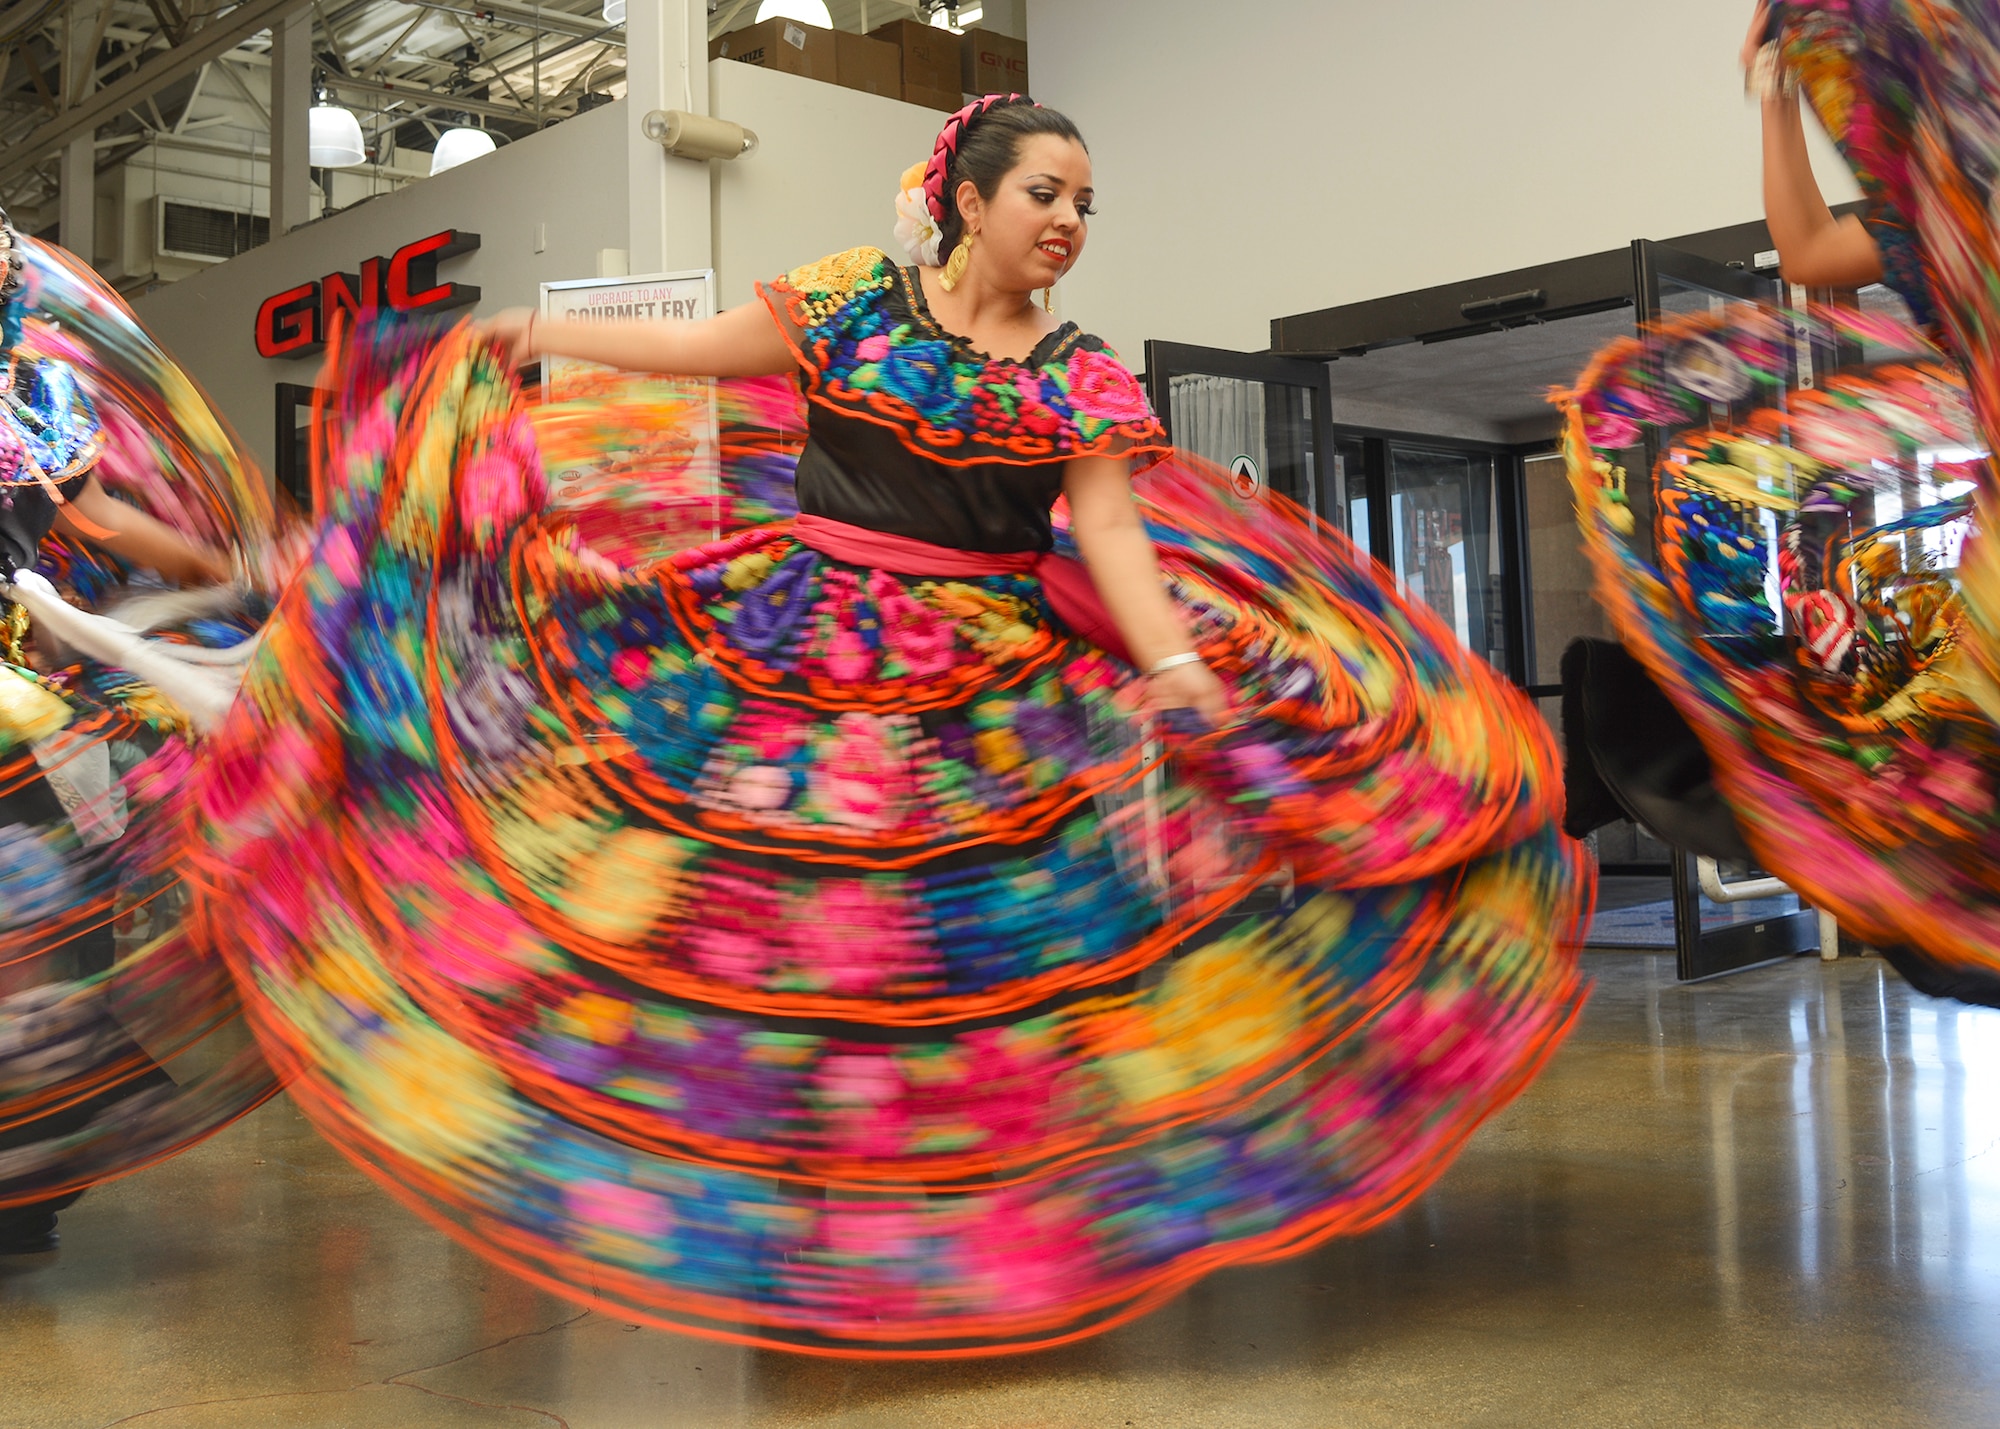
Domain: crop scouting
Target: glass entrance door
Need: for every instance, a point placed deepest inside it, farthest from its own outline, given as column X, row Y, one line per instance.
column 1444, row 539
column 1262, row 419
column 1710, row 936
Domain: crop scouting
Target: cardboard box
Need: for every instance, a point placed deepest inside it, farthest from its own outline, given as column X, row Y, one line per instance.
column 933, row 63
column 873, row 66
column 784, row 45
column 994, row 63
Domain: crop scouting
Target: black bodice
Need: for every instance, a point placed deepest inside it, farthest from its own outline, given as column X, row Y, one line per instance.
column 914, row 432
column 861, row 472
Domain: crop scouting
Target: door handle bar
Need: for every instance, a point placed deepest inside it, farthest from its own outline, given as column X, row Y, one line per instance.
column 1712, row 886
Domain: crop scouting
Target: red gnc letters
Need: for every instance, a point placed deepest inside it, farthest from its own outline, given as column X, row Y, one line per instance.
column 295, row 323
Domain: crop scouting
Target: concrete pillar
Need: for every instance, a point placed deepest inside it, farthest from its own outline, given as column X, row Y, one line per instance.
column 666, row 67
column 76, row 202
column 291, row 97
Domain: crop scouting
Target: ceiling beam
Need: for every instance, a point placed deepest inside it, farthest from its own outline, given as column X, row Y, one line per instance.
column 220, row 34
column 243, row 91
column 17, row 21
column 172, row 22
column 549, row 22
column 340, row 83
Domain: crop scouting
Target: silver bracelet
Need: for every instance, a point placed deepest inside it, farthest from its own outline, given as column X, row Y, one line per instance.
column 1186, row 657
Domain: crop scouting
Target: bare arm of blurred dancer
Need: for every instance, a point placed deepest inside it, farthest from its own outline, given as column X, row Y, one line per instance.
column 1815, row 248
column 743, row 342
column 1105, row 522
column 139, row 540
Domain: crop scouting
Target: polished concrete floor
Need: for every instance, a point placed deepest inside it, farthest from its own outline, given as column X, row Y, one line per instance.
column 1768, row 1200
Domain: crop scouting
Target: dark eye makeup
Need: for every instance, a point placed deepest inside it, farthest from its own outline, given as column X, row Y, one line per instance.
column 1085, row 209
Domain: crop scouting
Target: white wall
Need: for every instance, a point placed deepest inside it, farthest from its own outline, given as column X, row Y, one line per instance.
column 823, row 178
column 569, row 181
column 1258, row 161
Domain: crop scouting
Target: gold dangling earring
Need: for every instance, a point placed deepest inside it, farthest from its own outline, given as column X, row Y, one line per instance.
column 1049, row 300
column 955, row 266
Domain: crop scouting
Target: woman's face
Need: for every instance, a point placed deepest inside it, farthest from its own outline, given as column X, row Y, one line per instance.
column 1031, row 231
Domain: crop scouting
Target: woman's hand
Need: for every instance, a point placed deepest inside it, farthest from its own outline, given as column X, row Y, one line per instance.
column 271, row 569
column 1760, row 31
column 512, row 330
column 1187, row 687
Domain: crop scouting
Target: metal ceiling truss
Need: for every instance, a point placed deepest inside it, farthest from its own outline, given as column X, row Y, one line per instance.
column 517, row 66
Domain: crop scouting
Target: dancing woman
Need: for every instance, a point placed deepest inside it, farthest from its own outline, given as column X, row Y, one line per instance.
column 90, row 758
column 1850, row 720
column 1017, row 223
column 845, row 935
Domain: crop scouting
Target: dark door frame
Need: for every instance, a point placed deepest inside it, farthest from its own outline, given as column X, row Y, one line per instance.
column 1168, row 360
column 1573, row 287
column 1705, row 953
column 1510, row 505
column 1733, row 261
column 293, row 476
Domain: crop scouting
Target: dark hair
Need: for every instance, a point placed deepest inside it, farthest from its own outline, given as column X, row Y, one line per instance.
column 988, row 152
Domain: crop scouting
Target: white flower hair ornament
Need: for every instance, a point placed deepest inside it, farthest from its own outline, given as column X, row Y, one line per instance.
column 917, row 227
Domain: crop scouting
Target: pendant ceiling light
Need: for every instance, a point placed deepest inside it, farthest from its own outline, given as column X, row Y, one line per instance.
column 460, row 146
column 614, row 12
column 809, row 12
column 333, row 137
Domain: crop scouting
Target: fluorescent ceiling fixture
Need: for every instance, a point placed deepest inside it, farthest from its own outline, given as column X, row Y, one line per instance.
column 970, row 15
column 333, row 138
column 614, row 12
column 810, row 12
column 460, row 146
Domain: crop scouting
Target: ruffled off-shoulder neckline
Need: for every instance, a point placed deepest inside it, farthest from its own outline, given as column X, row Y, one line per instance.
column 911, row 284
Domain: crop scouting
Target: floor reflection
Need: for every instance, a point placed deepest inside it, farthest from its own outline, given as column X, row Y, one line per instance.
column 1768, row 1199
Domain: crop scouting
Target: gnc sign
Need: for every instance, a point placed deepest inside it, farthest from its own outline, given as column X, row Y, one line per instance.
column 294, row 323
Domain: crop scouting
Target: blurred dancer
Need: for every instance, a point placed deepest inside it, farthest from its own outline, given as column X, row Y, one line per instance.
column 1841, row 676
column 779, row 940
column 87, row 757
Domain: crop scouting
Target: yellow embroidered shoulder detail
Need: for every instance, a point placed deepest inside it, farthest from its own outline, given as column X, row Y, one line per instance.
column 820, row 290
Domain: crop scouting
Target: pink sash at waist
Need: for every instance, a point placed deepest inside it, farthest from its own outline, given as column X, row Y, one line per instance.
column 1072, row 594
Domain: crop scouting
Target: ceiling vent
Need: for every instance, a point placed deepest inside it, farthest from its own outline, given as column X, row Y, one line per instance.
column 206, row 235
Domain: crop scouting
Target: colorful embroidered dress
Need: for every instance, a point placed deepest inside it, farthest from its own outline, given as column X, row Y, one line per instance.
column 99, row 986
column 798, row 951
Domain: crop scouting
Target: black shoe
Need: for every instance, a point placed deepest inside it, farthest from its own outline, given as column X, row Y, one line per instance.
column 28, row 1231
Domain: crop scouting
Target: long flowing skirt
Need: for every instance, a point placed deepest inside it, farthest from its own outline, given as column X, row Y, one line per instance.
column 1801, row 605
column 1821, row 598
column 794, row 952
column 121, row 1040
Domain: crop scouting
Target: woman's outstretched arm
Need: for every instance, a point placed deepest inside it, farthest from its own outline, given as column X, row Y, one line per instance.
column 1105, row 523
column 743, row 342
column 139, row 539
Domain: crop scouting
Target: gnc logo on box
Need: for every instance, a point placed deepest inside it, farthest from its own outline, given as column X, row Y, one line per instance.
column 1013, row 64
column 295, row 323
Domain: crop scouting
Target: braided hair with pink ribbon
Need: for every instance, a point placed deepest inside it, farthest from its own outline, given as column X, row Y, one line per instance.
column 926, row 215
